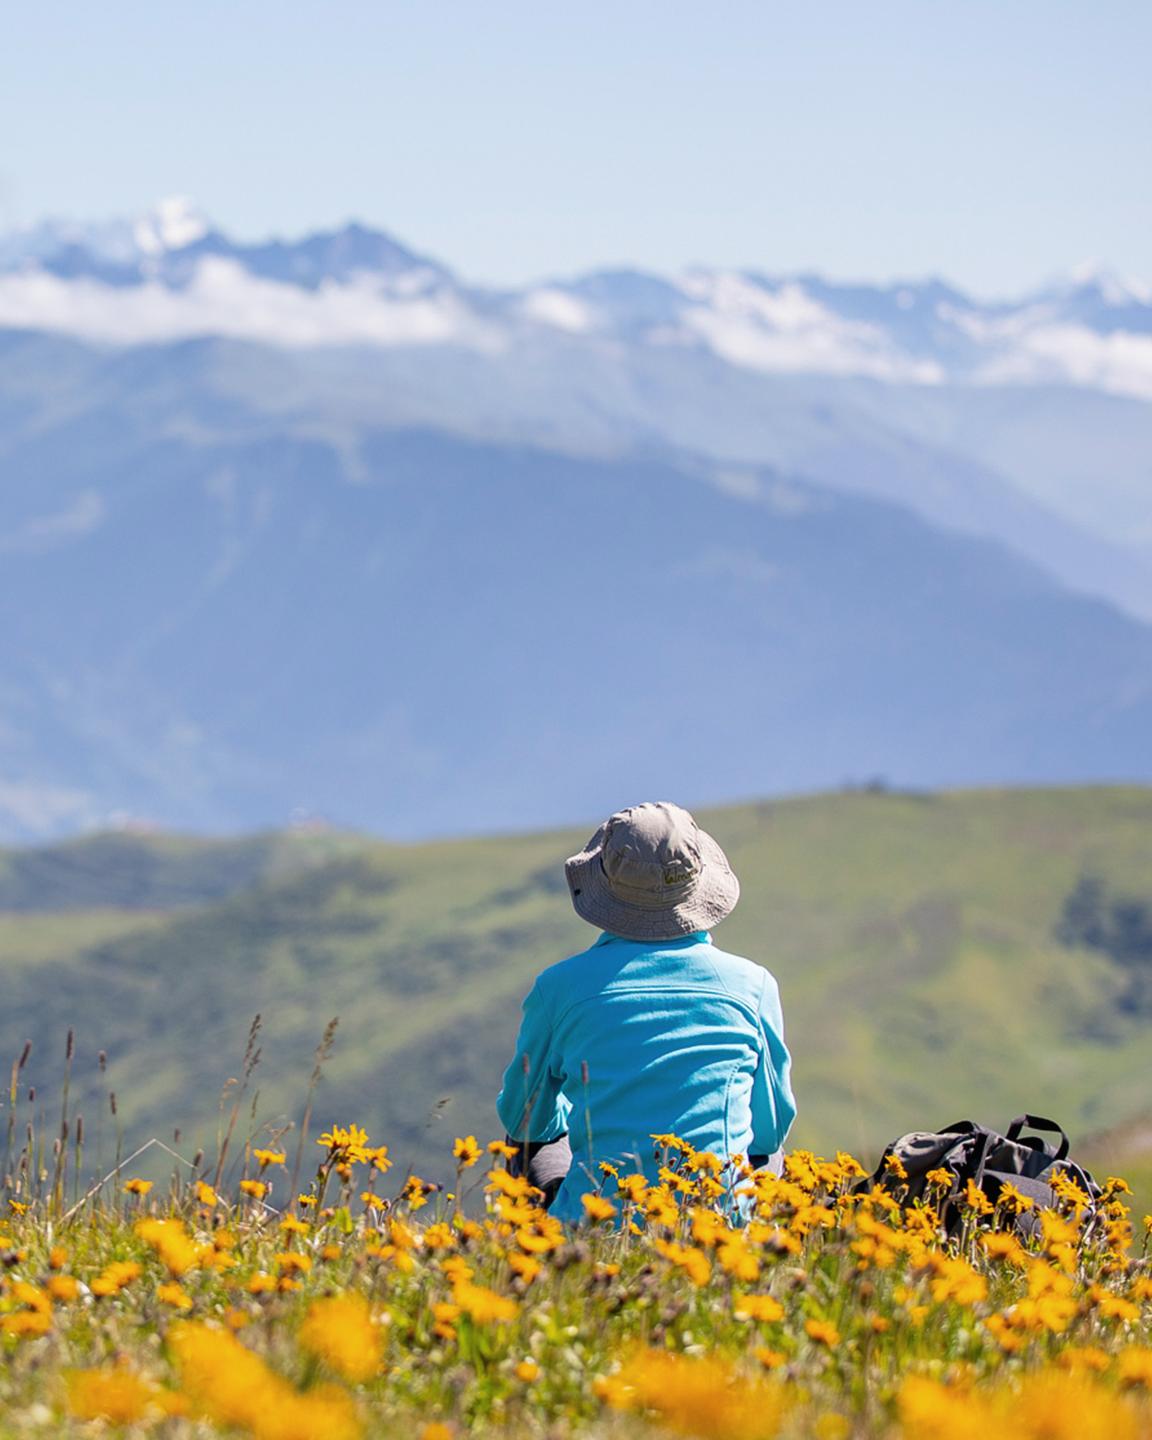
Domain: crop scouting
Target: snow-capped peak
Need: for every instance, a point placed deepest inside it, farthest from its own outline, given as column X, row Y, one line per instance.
column 172, row 224
column 1113, row 288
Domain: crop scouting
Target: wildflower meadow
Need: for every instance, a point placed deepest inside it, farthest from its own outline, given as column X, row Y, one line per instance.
column 711, row 1300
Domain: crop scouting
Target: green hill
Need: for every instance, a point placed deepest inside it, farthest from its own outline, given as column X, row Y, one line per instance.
column 914, row 937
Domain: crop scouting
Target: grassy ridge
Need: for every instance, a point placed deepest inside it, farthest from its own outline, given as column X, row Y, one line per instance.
column 912, row 936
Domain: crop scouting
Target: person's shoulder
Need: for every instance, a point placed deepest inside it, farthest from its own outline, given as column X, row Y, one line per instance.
column 742, row 973
column 560, row 972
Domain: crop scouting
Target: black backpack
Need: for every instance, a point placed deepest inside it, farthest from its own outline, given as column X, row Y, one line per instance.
column 967, row 1151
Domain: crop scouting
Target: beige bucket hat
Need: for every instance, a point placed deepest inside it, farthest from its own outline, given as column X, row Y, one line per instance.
column 651, row 873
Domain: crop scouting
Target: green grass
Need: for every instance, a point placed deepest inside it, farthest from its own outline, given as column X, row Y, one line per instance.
column 912, row 936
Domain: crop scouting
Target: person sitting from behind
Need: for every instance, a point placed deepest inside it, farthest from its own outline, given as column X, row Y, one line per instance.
column 652, row 1030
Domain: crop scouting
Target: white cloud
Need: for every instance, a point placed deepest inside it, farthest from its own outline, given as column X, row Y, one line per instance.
column 1073, row 354
column 1032, row 346
column 786, row 331
column 46, row 532
column 38, row 809
column 225, row 299
column 777, row 329
column 562, row 311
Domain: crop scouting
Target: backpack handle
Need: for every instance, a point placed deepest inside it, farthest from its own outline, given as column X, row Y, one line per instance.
column 1037, row 1122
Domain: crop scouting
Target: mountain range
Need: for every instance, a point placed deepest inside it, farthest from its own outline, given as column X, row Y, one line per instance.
column 316, row 526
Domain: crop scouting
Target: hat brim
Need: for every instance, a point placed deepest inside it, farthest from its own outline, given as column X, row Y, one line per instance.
column 711, row 900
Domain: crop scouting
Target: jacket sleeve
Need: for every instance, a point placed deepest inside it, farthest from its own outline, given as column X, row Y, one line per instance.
column 532, row 1104
column 773, row 1107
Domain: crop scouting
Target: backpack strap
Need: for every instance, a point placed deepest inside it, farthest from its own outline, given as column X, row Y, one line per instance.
column 1037, row 1122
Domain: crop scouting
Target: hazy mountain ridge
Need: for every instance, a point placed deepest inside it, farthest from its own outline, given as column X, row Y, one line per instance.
column 1092, row 329
column 1026, row 422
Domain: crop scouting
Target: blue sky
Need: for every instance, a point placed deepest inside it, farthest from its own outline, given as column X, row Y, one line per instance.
column 995, row 143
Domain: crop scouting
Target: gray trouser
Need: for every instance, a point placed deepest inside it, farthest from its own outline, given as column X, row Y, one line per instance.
column 547, row 1162
column 544, row 1162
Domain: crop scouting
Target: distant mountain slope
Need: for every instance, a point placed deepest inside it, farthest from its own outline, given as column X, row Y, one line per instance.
column 1026, row 421
column 133, row 872
column 913, row 937
column 213, row 620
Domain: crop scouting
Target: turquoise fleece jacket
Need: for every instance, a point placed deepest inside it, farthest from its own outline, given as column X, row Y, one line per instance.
column 672, row 1036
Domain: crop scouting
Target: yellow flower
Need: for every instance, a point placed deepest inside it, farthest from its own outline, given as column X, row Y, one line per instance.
column 770, row 1359
column 403, row 1236
column 698, row 1396
column 597, row 1208
column 231, row 1386
column 1012, row 1200
column 688, row 1258
column 976, row 1200
column 292, row 1226
column 26, row 1324
column 526, row 1266
column 264, row 1158
column 171, row 1242
column 633, row 1188
column 33, row 1298
column 416, row 1192
column 1002, row 1246
column 660, row 1208
column 735, row 1258
column 1069, row 1192
column 757, row 1307
column 543, row 1235
column 956, row 1280
column 115, row 1277
column 527, row 1370
column 118, row 1396
column 1113, row 1307
column 466, row 1152
column 174, row 1295
column 344, row 1137
column 289, row 1262
column 1087, row 1357
column 1051, row 1404
column 205, row 1194
column 1134, row 1366
column 822, row 1332
column 62, row 1287
column 674, row 1143
column 485, row 1305
column 341, row 1332
column 256, row 1188
column 894, row 1166
column 138, row 1187
column 437, row 1430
